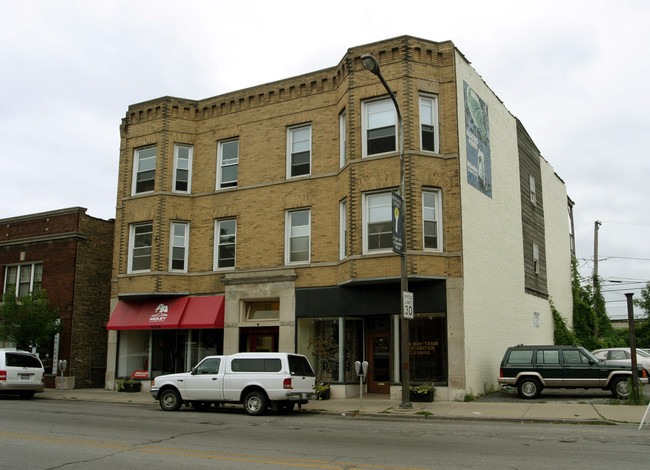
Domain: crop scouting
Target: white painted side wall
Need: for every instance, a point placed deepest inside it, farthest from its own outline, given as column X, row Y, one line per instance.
column 558, row 242
column 497, row 311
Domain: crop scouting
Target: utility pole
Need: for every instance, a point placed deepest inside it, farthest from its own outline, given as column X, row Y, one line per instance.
column 595, row 276
column 631, row 326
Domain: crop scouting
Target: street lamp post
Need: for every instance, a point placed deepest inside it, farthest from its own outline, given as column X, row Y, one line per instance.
column 370, row 63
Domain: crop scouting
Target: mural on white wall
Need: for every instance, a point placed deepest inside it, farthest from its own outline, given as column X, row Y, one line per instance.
column 477, row 135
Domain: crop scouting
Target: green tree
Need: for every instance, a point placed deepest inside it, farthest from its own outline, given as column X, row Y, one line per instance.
column 28, row 321
column 643, row 327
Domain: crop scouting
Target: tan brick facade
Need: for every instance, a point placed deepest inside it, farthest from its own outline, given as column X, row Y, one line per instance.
column 347, row 301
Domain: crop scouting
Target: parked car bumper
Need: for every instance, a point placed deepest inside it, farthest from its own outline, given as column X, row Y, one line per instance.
column 302, row 397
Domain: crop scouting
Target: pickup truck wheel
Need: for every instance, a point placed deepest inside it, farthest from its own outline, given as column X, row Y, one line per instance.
column 529, row 388
column 620, row 387
column 256, row 403
column 170, row 400
column 285, row 407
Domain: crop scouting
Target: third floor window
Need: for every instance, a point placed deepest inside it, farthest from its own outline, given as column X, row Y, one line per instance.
column 182, row 168
column 298, row 151
column 144, row 170
column 380, row 123
column 228, row 163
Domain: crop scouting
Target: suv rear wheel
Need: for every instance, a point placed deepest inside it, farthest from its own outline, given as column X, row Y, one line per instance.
column 620, row 387
column 529, row 387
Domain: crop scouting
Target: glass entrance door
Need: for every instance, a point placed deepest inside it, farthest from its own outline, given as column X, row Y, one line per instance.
column 379, row 359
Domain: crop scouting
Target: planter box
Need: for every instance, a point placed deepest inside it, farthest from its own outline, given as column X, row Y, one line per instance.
column 131, row 388
column 421, row 397
column 324, row 395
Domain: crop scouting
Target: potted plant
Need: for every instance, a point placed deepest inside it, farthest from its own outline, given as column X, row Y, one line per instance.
column 127, row 385
column 422, row 392
column 323, row 391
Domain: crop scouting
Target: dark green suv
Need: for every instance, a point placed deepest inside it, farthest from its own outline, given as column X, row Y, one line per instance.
column 531, row 368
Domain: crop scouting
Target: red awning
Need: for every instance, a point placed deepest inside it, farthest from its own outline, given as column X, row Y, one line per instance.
column 203, row 312
column 147, row 314
column 177, row 313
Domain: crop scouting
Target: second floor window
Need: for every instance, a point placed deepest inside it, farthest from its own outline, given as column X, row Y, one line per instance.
column 298, row 236
column 228, row 157
column 431, row 219
column 533, row 192
column 144, row 170
column 378, row 222
column 182, row 168
column 178, row 246
column 225, row 243
column 299, row 151
column 25, row 278
column 380, row 126
column 141, row 236
column 343, row 229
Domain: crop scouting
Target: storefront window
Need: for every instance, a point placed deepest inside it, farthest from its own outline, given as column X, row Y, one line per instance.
column 171, row 350
column 332, row 359
column 133, row 352
column 428, row 349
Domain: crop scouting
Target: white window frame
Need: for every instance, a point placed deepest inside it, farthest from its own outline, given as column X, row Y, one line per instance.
column 137, row 160
column 290, row 234
column 291, row 131
column 177, row 167
column 179, row 241
column 132, row 236
column 34, row 281
column 437, row 217
column 343, row 139
column 367, row 107
column 367, row 208
column 533, row 191
column 218, row 243
column 535, row 258
column 343, row 229
column 429, row 116
column 229, row 164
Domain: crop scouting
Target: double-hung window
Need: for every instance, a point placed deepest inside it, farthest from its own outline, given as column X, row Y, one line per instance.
column 380, row 124
column 178, row 246
column 429, row 123
column 228, row 158
column 225, row 240
column 535, row 258
column 144, row 170
column 140, row 238
column 298, row 236
column 182, row 168
column 378, row 222
column 24, row 278
column 533, row 192
column 343, row 136
column 299, row 151
column 431, row 220
column 343, row 229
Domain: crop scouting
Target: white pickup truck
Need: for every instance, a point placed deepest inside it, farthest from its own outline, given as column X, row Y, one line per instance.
column 257, row 380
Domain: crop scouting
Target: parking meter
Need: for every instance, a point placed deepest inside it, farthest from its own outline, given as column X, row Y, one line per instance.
column 62, row 364
column 361, row 368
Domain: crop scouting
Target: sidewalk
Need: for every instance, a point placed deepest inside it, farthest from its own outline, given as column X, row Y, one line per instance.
column 374, row 406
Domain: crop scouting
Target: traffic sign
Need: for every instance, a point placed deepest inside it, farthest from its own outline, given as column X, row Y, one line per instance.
column 408, row 304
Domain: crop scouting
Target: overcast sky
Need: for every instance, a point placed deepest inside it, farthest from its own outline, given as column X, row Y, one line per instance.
column 575, row 73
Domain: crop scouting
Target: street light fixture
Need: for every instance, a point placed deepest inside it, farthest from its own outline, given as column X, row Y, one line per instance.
column 370, row 64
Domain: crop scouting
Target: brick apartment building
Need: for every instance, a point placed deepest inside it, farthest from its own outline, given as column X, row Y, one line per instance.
column 69, row 255
column 261, row 220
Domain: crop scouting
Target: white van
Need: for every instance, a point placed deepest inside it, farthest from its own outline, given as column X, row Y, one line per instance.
column 21, row 373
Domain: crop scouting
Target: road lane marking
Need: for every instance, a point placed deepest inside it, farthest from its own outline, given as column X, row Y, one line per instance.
column 203, row 454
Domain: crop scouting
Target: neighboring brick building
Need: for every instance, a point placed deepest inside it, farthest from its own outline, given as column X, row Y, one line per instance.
column 68, row 254
column 273, row 205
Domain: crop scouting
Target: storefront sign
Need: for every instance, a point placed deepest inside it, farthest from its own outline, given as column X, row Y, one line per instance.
column 140, row 374
column 160, row 314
